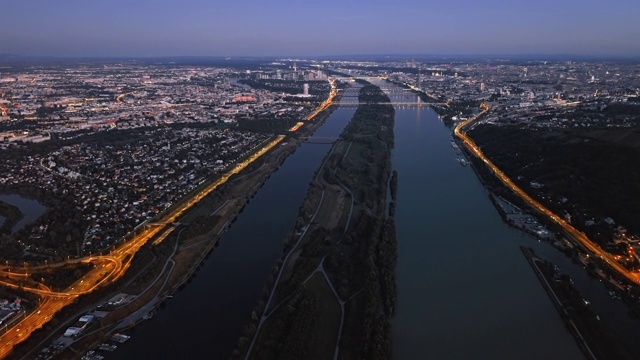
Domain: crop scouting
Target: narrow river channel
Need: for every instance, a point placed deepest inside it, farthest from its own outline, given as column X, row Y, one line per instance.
column 206, row 319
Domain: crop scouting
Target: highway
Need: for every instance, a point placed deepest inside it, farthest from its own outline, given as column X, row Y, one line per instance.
column 325, row 104
column 578, row 236
column 109, row 268
column 52, row 302
column 50, row 305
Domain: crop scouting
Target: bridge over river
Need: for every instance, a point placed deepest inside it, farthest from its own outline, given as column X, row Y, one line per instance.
column 395, row 103
column 398, row 96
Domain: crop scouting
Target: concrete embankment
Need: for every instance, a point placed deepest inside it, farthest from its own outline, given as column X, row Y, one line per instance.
column 558, row 302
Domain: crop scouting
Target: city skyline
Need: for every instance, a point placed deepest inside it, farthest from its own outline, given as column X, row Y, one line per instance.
column 294, row 28
column 324, row 206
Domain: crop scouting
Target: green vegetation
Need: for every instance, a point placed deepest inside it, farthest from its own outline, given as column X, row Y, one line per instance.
column 597, row 177
column 463, row 108
column 200, row 225
column 365, row 275
column 60, row 279
column 393, row 185
column 577, row 313
column 287, row 337
column 267, row 124
column 63, row 222
column 316, row 87
column 351, row 240
column 12, row 215
column 325, row 332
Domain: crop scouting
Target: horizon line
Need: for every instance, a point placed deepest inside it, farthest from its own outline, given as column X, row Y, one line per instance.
column 520, row 56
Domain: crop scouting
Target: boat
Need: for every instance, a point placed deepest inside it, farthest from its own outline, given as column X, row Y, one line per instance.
column 120, row 338
column 107, row 347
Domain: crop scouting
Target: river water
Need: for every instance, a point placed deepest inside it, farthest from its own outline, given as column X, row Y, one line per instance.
column 205, row 320
column 465, row 291
column 31, row 209
column 464, row 288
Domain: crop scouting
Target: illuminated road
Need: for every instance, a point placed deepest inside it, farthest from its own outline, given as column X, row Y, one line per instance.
column 103, row 263
column 119, row 97
column 325, row 104
column 578, row 236
column 109, row 268
column 50, row 305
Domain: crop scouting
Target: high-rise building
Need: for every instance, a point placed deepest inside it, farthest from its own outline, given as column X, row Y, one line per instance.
column 482, row 87
column 305, row 89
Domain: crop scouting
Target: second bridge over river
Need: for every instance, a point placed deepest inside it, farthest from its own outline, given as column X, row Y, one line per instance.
column 393, row 103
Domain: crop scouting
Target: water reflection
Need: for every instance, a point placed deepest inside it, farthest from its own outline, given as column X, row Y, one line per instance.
column 206, row 319
column 31, row 209
column 464, row 289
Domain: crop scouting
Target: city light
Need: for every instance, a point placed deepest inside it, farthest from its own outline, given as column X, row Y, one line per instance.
column 109, row 268
column 578, row 236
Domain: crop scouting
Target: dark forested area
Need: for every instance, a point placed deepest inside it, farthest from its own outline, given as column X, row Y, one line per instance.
column 588, row 178
column 358, row 257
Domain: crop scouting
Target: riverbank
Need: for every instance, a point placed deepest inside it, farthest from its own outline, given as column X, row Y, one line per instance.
column 581, row 246
column 575, row 311
column 11, row 215
column 333, row 292
column 560, row 234
column 158, row 271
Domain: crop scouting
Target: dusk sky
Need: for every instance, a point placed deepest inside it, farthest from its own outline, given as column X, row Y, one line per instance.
column 329, row 27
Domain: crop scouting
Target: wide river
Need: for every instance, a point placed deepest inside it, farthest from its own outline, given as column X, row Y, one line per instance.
column 465, row 291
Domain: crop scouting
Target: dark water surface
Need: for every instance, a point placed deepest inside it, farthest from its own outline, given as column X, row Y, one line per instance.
column 465, row 291
column 31, row 209
column 205, row 320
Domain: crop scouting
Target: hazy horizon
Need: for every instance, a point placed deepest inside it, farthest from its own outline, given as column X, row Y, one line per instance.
column 168, row 28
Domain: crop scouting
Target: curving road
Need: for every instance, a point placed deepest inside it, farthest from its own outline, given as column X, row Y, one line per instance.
column 325, row 104
column 577, row 236
column 115, row 264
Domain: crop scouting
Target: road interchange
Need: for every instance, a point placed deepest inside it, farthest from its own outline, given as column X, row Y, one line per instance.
column 112, row 266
